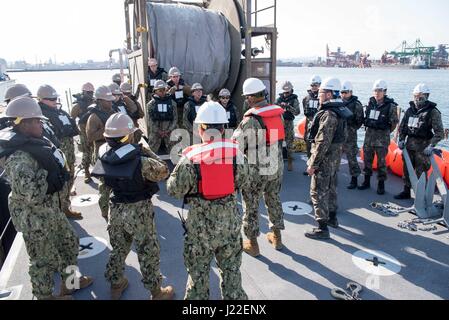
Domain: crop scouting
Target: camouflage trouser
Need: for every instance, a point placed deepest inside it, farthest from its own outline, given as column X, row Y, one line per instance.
column 351, row 149
column 420, row 162
column 51, row 249
column 105, row 192
column 270, row 190
column 103, row 189
column 134, row 223
column 86, row 149
column 156, row 142
column 215, row 233
column 308, row 143
column 68, row 147
column 369, row 153
column 323, row 191
column 289, row 137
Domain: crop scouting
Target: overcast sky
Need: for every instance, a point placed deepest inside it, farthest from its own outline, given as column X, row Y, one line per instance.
column 87, row 29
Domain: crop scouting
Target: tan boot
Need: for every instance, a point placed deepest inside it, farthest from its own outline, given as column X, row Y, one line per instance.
column 290, row 164
column 85, row 281
column 251, row 247
column 274, row 237
column 166, row 293
column 73, row 214
column 118, row 289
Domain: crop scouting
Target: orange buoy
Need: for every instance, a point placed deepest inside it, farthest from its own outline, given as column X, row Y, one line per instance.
column 397, row 163
column 391, row 148
column 302, row 128
column 442, row 164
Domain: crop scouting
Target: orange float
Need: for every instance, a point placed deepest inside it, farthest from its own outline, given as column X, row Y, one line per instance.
column 302, row 128
column 396, row 163
column 391, row 149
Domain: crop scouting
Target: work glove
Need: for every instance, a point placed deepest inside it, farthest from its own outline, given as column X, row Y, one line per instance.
column 401, row 145
column 428, row 151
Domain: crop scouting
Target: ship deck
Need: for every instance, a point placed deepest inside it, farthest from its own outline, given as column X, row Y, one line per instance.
column 368, row 248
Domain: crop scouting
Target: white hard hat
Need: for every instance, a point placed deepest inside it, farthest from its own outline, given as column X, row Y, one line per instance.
column 115, row 88
column 89, row 87
column 104, row 93
column 174, row 72
column 119, row 125
column 196, row 86
column 47, row 92
column 315, row 80
column 211, row 112
column 224, row 93
column 421, row 88
column 252, row 86
column 287, row 86
column 346, row 86
column 332, row 84
column 380, row 85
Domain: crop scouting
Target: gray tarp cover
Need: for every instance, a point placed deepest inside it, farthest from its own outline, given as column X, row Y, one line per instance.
column 195, row 40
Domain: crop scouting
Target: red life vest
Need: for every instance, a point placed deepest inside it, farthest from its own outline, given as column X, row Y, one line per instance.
column 214, row 162
column 270, row 118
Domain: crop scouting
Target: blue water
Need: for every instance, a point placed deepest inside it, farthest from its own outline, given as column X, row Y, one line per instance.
column 401, row 83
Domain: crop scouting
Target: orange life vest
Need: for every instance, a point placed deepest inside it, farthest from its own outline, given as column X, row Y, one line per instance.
column 270, row 118
column 215, row 165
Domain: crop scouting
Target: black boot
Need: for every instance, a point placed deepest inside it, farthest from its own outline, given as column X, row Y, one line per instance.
column 333, row 221
column 404, row 195
column 366, row 184
column 320, row 233
column 381, row 188
column 353, row 184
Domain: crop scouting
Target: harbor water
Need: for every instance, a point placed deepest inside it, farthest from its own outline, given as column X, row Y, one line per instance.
column 401, row 83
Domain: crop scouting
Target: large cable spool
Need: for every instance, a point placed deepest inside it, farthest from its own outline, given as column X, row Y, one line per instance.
column 205, row 44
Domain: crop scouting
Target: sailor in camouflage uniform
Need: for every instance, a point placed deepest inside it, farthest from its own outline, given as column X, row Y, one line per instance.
column 327, row 135
column 37, row 173
column 84, row 100
column 261, row 134
column 97, row 117
column 289, row 102
column 131, row 172
column 420, row 131
column 213, row 226
column 162, row 117
column 310, row 104
column 65, row 129
column 381, row 119
column 351, row 147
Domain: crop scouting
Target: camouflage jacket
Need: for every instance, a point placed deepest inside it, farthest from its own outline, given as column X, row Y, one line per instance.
column 30, row 206
column 183, row 181
column 417, row 144
column 381, row 138
column 268, row 160
column 323, row 150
